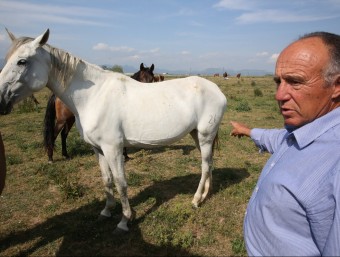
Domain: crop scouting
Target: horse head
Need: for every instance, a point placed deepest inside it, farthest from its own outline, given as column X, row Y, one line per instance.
column 145, row 74
column 26, row 70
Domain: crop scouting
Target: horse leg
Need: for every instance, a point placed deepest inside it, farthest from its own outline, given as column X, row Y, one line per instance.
column 126, row 157
column 205, row 183
column 57, row 128
column 108, row 185
column 115, row 159
column 64, row 133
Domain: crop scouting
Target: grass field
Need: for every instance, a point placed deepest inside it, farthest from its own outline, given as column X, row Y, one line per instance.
column 52, row 209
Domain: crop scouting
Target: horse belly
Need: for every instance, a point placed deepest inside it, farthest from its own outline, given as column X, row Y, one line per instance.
column 157, row 129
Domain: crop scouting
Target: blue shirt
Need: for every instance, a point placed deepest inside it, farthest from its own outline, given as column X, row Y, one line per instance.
column 295, row 207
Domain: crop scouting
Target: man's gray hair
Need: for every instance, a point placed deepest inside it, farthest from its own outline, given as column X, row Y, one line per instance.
column 332, row 41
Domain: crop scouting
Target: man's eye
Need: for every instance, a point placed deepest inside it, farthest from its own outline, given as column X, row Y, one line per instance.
column 294, row 82
column 277, row 81
column 22, row 62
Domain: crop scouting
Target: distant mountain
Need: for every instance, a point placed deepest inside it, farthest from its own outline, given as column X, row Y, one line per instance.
column 210, row 71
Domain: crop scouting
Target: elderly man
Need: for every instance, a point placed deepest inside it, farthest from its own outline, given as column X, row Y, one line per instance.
column 295, row 207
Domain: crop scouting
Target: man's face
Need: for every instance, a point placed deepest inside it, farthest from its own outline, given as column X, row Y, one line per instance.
column 301, row 91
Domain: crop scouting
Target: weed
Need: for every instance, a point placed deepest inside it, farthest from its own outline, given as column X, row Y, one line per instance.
column 238, row 247
column 26, row 106
column 243, row 107
column 13, row 159
column 258, row 92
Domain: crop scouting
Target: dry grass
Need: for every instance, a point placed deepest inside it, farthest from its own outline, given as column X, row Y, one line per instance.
column 52, row 209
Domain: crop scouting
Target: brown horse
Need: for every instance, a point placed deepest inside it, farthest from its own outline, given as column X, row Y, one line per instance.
column 2, row 165
column 238, row 75
column 158, row 78
column 225, row 75
column 216, row 75
column 58, row 117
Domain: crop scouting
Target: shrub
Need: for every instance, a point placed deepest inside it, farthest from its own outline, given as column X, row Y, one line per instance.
column 258, row 92
column 243, row 107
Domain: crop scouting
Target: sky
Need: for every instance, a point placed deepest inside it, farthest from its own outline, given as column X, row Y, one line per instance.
column 189, row 35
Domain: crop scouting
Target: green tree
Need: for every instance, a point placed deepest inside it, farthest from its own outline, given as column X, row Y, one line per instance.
column 117, row 68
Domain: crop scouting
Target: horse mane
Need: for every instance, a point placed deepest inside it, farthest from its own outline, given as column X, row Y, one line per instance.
column 64, row 65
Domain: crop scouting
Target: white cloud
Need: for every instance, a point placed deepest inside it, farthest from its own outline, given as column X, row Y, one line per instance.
column 256, row 11
column 277, row 16
column 185, row 52
column 235, row 4
column 29, row 12
column 134, row 57
column 262, row 54
column 105, row 47
column 273, row 58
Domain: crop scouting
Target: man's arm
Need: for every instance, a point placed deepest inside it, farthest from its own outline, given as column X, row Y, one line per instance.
column 239, row 129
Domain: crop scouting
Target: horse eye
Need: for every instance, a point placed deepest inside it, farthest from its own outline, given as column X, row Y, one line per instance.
column 22, row 62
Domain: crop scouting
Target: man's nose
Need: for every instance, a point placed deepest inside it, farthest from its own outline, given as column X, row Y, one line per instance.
column 282, row 92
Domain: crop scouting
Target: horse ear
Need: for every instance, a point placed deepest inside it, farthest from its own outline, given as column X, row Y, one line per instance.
column 152, row 67
column 42, row 39
column 10, row 34
column 141, row 67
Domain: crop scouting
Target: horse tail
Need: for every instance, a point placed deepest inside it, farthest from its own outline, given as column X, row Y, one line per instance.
column 216, row 143
column 49, row 123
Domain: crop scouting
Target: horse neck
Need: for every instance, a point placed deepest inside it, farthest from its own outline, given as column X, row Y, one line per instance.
column 68, row 71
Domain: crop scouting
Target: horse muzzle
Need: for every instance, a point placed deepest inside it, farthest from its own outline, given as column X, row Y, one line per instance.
column 6, row 105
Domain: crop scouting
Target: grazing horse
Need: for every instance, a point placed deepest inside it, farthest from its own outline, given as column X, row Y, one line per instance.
column 59, row 118
column 225, row 75
column 113, row 110
column 238, row 75
column 216, row 75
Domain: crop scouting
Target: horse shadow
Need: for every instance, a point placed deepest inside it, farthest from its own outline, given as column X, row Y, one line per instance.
column 186, row 149
column 88, row 236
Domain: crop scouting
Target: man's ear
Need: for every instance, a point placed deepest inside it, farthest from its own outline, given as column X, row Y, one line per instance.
column 336, row 93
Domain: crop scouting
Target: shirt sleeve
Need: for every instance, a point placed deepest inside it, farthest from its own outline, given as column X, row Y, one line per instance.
column 332, row 245
column 267, row 139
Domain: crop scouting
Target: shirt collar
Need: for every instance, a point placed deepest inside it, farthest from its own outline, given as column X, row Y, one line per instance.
column 309, row 132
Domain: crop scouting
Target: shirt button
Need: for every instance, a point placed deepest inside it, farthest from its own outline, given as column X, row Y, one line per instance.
column 256, row 189
column 272, row 164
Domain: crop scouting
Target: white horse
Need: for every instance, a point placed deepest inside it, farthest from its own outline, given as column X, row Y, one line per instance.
column 112, row 110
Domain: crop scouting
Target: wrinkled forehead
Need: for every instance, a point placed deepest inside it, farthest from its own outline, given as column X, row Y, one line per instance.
column 304, row 54
column 20, row 47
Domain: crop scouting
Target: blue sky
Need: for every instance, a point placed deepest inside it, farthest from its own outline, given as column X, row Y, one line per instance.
column 173, row 34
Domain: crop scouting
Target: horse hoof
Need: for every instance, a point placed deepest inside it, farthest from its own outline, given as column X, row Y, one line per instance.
column 195, row 206
column 120, row 232
column 50, row 162
column 102, row 217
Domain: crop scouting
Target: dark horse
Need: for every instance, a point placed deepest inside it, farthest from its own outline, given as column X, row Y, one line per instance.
column 58, row 117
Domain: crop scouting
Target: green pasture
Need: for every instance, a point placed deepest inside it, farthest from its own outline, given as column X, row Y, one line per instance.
column 52, row 209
